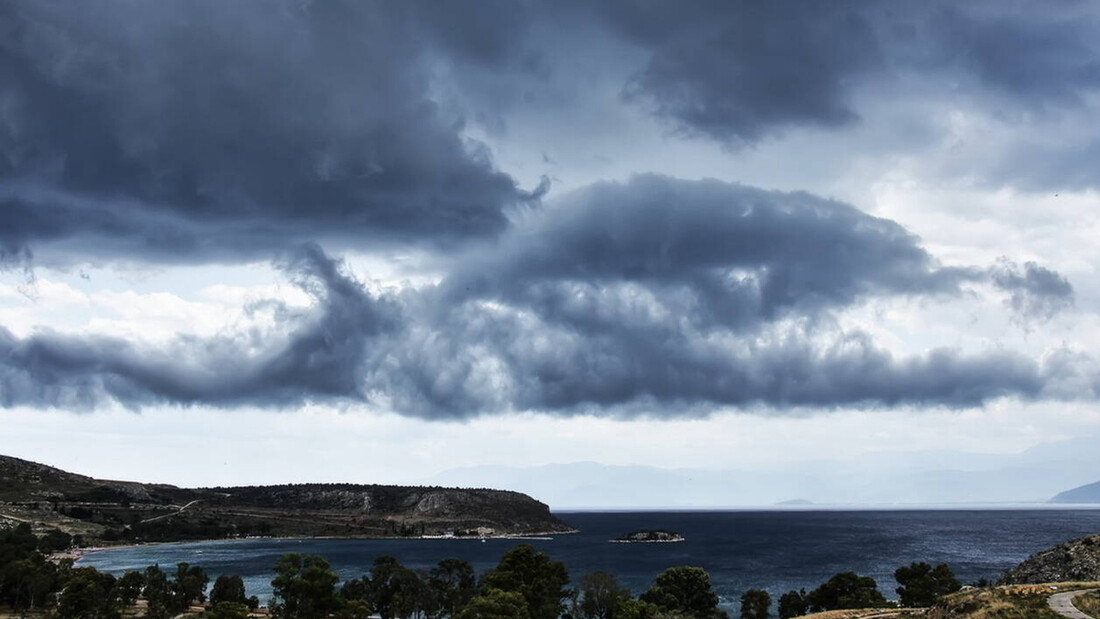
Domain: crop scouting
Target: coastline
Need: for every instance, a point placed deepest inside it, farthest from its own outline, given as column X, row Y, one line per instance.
column 78, row 553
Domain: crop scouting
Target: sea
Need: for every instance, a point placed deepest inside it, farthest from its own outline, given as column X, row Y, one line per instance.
column 772, row 550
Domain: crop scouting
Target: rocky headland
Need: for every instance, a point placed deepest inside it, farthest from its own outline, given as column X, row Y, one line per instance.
column 1074, row 561
column 104, row 511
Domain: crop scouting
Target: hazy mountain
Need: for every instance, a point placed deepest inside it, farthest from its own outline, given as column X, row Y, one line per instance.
column 1089, row 493
column 1030, row 476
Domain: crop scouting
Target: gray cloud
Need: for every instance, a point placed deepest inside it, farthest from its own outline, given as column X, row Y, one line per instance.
column 732, row 255
column 655, row 296
column 741, row 71
column 1035, row 291
column 211, row 131
column 165, row 125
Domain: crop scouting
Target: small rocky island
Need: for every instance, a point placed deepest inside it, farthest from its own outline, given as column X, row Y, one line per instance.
column 647, row 536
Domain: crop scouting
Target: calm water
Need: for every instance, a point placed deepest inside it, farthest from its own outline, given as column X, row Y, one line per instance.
column 776, row 551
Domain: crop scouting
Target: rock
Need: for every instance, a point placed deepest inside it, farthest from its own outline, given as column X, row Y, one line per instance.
column 1075, row 560
column 650, row 536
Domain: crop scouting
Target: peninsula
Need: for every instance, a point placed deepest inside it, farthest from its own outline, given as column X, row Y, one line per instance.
column 104, row 511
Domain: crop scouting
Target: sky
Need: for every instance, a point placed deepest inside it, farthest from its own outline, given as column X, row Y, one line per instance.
column 326, row 240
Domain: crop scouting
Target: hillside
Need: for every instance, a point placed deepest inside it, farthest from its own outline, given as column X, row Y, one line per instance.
column 1089, row 493
column 110, row 511
column 1075, row 560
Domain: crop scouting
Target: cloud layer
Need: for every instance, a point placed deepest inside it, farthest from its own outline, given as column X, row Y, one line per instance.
column 209, row 132
column 656, row 296
column 197, row 130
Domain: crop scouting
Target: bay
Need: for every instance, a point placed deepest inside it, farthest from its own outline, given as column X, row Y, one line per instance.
column 772, row 550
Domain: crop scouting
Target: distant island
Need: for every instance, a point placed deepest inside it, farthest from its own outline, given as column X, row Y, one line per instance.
column 96, row 511
column 794, row 503
column 649, row 536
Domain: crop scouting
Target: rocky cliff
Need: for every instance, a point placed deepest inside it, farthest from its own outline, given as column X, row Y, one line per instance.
column 104, row 510
column 1074, row 561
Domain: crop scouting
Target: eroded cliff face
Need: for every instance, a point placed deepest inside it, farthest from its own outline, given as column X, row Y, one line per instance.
column 1074, row 561
column 431, row 510
column 132, row 511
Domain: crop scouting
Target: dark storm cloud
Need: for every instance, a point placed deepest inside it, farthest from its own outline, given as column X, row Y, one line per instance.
column 163, row 125
column 214, row 131
column 730, row 254
column 655, row 296
column 740, row 71
column 1042, row 53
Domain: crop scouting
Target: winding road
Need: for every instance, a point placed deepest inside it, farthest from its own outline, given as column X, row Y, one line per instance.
column 1062, row 603
column 175, row 513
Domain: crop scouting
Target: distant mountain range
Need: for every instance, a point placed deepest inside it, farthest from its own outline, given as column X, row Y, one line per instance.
column 104, row 510
column 1089, row 493
column 925, row 478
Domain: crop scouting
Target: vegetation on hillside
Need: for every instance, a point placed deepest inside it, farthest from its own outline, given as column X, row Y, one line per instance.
column 109, row 511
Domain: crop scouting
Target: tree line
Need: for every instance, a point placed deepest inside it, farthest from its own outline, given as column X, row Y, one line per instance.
column 526, row 584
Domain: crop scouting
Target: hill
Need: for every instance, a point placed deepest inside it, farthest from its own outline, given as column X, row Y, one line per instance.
column 114, row 511
column 1075, row 560
column 1089, row 493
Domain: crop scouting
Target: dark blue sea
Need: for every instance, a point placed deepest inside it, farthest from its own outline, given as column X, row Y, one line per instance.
column 773, row 550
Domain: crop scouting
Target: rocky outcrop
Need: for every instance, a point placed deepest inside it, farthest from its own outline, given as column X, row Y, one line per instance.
column 650, row 536
column 1076, row 560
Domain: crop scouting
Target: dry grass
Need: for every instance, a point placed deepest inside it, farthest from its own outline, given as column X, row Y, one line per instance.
column 1011, row 602
column 870, row 613
column 1088, row 603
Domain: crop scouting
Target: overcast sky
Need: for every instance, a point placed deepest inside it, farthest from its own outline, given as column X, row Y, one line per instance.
column 372, row 241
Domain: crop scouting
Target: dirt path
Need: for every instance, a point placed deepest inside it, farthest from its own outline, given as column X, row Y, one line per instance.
column 175, row 513
column 1062, row 603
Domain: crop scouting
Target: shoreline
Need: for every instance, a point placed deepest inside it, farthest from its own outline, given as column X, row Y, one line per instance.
column 78, row 553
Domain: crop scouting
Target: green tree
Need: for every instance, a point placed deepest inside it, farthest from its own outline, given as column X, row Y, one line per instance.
column 793, row 604
column 600, row 596
column 533, row 575
column 496, row 604
column 54, row 541
column 28, row 583
column 158, row 594
column 304, row 588
column 189, row 586
column 395, row 590
column 129, row 587
column 88, row 594
column 629, row 608
column 755, row 604
column 922, row 585
column 227, row 610
column 354, row 609
column 228, row 588
column 846, row 590
column 453, row 585
column 684, row 589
